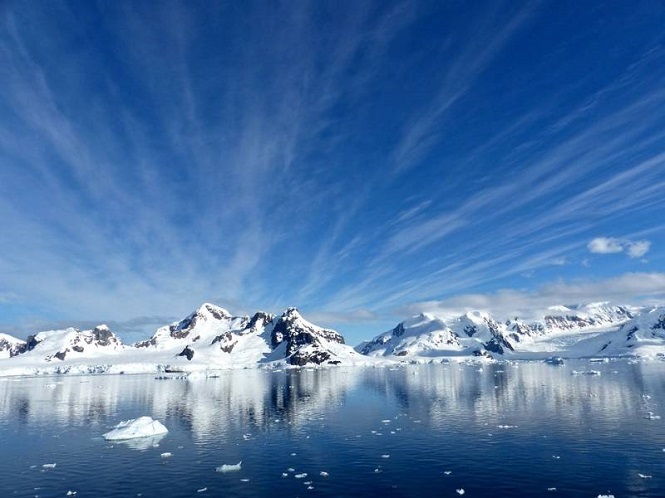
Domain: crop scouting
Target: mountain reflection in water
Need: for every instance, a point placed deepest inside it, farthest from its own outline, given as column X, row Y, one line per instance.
column 414, row 430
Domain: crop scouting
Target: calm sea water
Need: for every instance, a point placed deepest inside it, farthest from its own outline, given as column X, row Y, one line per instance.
column 498, row 430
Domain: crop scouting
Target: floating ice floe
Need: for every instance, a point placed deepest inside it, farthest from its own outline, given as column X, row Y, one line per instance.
column 166, row 455
column 71, row 493
column 551, row 489
column 447, row 472
column 605, row 496
column 506, row 426
column 49, row 466
column 460, row 491
column 229, row 467
column 652, row 416
column 644, row 476
column 202, row 490
column 385, row 456
column 301, row 476
column 323, row 473
column 136, row 428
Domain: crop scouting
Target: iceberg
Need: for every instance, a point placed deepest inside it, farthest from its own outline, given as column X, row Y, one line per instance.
column 136, row 428
column 229, row 467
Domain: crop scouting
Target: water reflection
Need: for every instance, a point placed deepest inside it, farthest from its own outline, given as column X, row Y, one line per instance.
column 260, row 400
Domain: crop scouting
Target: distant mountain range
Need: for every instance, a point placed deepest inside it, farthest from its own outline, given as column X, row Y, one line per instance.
column 211, row 338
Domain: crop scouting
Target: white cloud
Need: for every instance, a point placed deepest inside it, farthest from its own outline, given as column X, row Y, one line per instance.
column 605, row 245
column 638, row 249
column 609, row 245
column 629, row 288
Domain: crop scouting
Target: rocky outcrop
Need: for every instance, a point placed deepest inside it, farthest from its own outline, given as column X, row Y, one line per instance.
column 305, row 343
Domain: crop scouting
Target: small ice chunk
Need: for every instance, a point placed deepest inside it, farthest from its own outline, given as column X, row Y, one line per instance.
column 385, row 456
column 386, row 421
column 323, row 473
column 644, row 476
column 377, row 470
column 166, row 455
column 136, row 428
column 506, row 426
column 605, row 496
column 551, row 489
column 460, row 491
column 301, row 476
column 71, row 493
column 202, row 490
column 229, row 467
column 447, row 472
column 651, row 416
column 284, row 474
column 49, row 465
column 293, row 454
column 556, row 457
column 307, row 483
column 310, row 487
column 244, row 480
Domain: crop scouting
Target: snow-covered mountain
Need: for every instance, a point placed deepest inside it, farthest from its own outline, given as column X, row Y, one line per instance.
column 479, row 334
column 211, row 338
column 10, row 346
column 208, row 338
column 72, row 343
column 643, row 335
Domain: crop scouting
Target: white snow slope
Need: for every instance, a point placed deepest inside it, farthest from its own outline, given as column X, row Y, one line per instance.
column 574, row 332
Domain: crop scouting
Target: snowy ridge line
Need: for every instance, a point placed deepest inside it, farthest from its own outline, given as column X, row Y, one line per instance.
column 211, row 338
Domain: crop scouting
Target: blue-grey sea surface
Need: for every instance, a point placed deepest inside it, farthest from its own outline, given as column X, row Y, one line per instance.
column 479, row 430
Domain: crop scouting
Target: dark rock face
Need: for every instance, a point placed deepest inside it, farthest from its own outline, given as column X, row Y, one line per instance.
column 660, row 323
column 145, row 344
column 259, row 321
column 296, row 333
column 12, row 348
column 227, row 341
column 187, row 352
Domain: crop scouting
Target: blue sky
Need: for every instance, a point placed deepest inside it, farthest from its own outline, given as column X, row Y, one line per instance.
column 363, row 161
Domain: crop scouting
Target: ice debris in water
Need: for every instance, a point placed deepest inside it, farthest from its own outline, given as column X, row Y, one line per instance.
column 385, row 456
column 551, row 489
column 202, row 490
column 447, row 472
column 651, row 416
column 166, row 455
column 506, row 426
column 49, row 465
column 605, row 496
column 323, row 473
column 460, row 491
column 644, row 476
column 136, row 428
column 301, row 476
column 229, row 467
column 71, row 493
